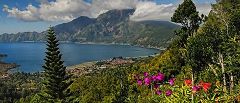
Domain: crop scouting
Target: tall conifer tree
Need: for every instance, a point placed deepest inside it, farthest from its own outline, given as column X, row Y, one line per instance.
column 56, row 80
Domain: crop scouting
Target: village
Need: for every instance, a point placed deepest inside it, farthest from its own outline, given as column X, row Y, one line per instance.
column 4, row 67
column 97, row 66
column 76, row 70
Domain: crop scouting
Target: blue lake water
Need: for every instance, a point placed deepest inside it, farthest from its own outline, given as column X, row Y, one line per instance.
column 30, row 55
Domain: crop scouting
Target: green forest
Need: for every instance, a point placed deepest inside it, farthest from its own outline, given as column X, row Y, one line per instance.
column 200, row 65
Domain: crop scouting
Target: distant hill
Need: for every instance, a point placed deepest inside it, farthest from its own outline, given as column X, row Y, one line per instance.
column 113, row 26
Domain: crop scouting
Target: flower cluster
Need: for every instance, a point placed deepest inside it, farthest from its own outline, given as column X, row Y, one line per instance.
column 154, row 81
column 201, row 85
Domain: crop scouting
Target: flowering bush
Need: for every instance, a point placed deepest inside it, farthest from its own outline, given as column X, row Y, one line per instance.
column 158, row 88
column 154, row 82
column 201, row 85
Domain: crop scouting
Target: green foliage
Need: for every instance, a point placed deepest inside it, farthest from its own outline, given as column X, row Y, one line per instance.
column 211, row 51
column 37, row 98
column 187, row 15
column 56, row 80
column 201, row 48
column 168, row 62
column 235, row 21
column 19, row 86
column 109, row 85
column 217, row 37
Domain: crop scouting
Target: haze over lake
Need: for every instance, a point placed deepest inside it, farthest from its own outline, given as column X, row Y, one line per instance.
column 30, row 55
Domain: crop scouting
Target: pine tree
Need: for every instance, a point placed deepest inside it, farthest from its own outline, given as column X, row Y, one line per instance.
column 56, row 80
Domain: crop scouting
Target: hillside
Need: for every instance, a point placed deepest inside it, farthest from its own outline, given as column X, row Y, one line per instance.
column 113, row 26
column 201, row 64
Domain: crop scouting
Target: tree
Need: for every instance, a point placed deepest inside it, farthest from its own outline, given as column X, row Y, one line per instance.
column 226, row 14
column 56, row 80
column 215, row 44
column 235, row 21
column 200, row 53
column 187, row 15
column 204, row 46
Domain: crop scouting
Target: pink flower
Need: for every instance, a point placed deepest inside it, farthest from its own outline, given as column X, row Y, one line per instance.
column 158, row 92
column 196, row 89
column 160, row 77
column 139, row 82
column 168, row 92
column 171, row 81
column 154, row 78
column 145, row 74
column 147, row 81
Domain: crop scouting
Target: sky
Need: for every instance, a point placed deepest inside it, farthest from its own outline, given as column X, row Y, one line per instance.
column 38, row 15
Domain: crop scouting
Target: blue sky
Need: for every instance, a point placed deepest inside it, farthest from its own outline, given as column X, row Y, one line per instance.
column 13, row 25
column 18, row 21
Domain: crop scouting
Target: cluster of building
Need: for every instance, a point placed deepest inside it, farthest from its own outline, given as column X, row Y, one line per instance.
column 91, row 67
column 119, row 61
column 4, row 75
column 4, row 67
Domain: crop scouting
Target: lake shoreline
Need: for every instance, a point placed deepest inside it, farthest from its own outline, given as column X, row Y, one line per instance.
column 31, row 57
column 138, row 57
column 97, row 66
column 97, row 43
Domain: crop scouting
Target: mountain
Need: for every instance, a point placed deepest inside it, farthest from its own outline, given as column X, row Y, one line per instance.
column 74, row 25
column 113, row 26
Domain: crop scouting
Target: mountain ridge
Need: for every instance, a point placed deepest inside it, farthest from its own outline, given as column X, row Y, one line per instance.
column 113, row 26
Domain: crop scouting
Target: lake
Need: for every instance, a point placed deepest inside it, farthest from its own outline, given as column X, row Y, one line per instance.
column 30, row 55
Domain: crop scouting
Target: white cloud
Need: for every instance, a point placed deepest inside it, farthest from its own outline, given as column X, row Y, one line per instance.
column 26, row 15
column 101, row 6
column 66, row 10
column 204, row 8
column 63, row 10
column 153, row 11
column 59, row 10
